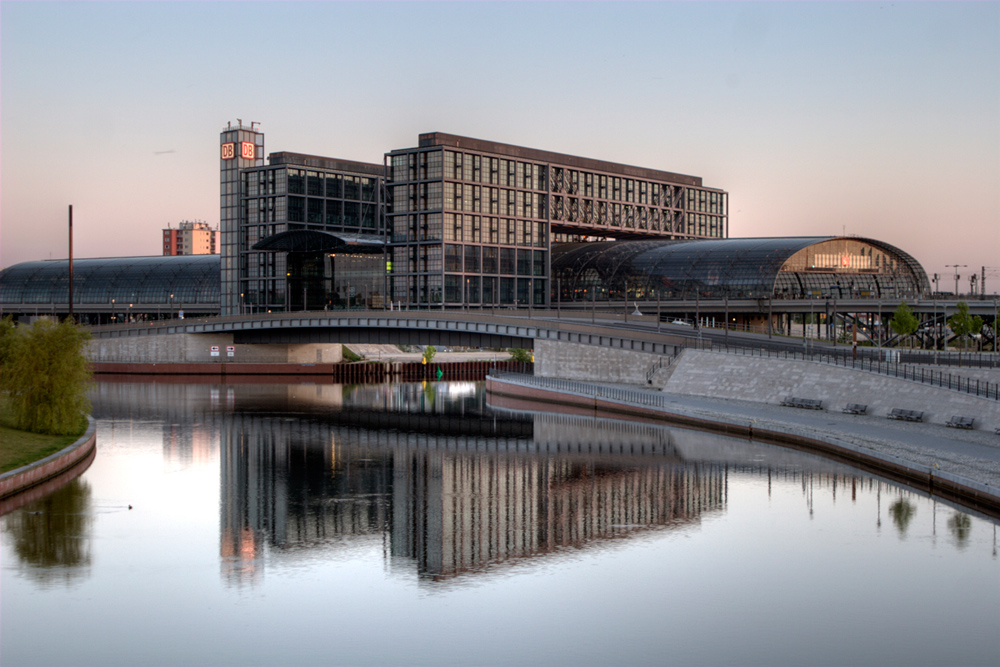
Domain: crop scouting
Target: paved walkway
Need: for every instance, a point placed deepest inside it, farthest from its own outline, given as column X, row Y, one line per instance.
column 974, row 455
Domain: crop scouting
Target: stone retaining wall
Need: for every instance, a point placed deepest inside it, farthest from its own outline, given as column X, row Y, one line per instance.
column 573, row 361
column 770, row 380
column 25, row 477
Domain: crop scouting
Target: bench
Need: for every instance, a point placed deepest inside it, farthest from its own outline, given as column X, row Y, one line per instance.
column 807, row 403
column 906, row 415
column 960, row 422
column 856, row 409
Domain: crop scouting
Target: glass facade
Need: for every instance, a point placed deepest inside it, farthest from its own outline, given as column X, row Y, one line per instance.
column 473, row 222
column 737, row 268
column 296, row 192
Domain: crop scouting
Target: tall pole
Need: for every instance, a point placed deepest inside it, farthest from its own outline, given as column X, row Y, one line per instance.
column 558, row 297
column 72, row 319
column 697, row 315
column 957, row 276
column 726, row 299
column 878, row 329
column 626, row 301
column 833, row 321
column 770, row 316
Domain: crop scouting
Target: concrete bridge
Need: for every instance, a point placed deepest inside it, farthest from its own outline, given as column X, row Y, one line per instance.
column 615, row 349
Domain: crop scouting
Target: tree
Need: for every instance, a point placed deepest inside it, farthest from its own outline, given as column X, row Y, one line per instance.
column 963, row 324
column 6, row 339
column 902, row 512
column 904, row 322
column 429, row 353
column 520, row 355
column 45, row 377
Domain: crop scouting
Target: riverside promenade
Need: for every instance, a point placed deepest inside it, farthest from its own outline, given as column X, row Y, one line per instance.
column 958, row 465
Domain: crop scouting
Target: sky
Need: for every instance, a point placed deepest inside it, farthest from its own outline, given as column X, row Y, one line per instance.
column 819, row 119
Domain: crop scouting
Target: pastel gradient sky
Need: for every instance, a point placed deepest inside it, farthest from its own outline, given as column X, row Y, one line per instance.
column 875, row 119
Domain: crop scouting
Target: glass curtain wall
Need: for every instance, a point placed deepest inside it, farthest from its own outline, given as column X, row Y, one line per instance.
column 283, row 198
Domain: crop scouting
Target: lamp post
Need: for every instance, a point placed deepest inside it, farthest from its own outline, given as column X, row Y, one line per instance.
column 726, row 300
column 171, row 306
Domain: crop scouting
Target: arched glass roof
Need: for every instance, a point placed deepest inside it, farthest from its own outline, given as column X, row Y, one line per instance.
column 740, row 268
column 191, row 279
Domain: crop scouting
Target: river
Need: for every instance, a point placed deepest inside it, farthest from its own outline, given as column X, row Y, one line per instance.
column 271, row 523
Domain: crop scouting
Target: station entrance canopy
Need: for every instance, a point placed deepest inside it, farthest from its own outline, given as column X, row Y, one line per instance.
column 326, row 271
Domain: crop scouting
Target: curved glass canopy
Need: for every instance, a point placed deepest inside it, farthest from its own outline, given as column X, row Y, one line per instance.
column 796, row 267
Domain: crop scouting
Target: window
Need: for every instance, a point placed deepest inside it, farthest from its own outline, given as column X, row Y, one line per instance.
column 507, row 261
column 315, row 211
column 524, row 262
column 490, row 257
column 472, row 259
column 453, row 289
column 296, row 209
column 314, row 184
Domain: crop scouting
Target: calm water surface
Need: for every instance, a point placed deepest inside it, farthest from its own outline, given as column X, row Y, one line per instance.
column 305, row 524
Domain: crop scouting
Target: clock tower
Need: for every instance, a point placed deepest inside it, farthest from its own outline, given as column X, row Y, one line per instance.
column 240, row 147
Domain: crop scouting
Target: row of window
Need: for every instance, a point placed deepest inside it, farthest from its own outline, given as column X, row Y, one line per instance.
column 500, row 201
column 457, row 258
column 475, row 290
column 305, row 182
column 475, row 168
column 469, row 228
column 332, row 212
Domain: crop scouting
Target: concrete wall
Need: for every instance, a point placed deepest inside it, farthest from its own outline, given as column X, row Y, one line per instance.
column 25, row 477
column 196, row 348
column 720, row 375
column 573, row 361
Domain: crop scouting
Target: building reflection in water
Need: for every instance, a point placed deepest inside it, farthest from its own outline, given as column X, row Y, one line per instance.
column 451, row 503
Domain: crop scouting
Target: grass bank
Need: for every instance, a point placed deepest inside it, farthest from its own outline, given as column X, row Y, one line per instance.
column 19, row 448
